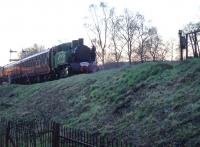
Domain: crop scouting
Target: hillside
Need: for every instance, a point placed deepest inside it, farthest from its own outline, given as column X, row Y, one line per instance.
column 148, row 104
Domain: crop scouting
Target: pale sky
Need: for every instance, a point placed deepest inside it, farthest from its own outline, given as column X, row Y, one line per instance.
column 51, row 22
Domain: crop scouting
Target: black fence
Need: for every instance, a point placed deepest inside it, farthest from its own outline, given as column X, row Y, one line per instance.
column 40, row 134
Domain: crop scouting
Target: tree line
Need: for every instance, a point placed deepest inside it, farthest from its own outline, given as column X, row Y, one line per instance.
column 26, row 52
column 125, row 36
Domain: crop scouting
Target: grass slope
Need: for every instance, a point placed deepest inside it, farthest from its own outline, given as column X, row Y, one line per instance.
column 149, row 103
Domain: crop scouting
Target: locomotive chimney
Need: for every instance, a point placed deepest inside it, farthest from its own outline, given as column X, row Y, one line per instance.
column 75, row 43
column 80, row 41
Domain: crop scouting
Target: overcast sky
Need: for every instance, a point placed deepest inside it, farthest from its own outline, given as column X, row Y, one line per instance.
column 50, row 22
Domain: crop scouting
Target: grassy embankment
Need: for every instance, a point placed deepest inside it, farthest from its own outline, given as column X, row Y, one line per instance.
column 149, row 103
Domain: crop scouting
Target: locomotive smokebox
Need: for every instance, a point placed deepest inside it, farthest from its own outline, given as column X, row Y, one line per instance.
column 80, row 41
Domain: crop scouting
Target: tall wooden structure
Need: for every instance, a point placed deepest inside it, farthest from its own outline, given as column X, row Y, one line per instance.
column 189, row 41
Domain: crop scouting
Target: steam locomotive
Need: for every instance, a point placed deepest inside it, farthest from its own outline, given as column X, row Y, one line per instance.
column 65, row 59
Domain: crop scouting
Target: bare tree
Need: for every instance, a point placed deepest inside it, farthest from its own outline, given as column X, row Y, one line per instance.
column 98, row 28
column 163, row 52
column 154, row 44
column 192, row 27
column 115, row 42
column 31, row 51
column 128, row 28
column 119, row 32
column 143, row 37
column 169, row 50
column 172, row 49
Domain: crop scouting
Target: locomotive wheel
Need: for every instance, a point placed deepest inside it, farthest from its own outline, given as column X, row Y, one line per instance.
column 69, row 71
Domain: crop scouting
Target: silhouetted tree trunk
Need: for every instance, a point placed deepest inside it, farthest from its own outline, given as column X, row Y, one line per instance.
column 154, row 44
column 98, row 29
column 115, row 43
column 128, row 28
column 143, row 36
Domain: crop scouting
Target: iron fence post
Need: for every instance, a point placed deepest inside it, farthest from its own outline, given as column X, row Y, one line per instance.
column 56, row 132
column 7, row 133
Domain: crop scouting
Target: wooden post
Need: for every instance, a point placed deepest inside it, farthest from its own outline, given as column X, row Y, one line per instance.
column 186, row 46
column 195, row 44
column 180, row 39
column 7, row 134
column 191, row 41
column 55, row 135
column 102, row 141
